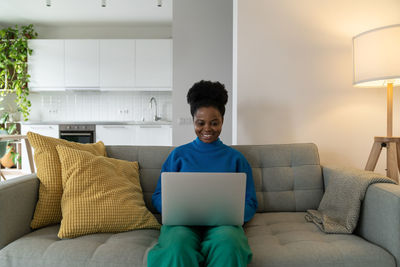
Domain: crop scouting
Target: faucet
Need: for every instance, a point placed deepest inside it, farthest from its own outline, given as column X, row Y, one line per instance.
column 153, row 99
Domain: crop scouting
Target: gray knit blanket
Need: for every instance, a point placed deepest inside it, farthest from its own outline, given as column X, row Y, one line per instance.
column 339, row 209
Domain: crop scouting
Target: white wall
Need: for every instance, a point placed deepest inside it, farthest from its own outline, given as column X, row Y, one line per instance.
column 202, row 34
column 295, row 77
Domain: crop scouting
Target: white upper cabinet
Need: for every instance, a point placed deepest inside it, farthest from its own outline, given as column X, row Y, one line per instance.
column 46, row 64
column 82, row 63
column 117, row 64
column 154, row 63
column 126, row 64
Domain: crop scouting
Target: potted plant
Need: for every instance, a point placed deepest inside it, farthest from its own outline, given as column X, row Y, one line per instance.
column 8, row 156
column 14, row 75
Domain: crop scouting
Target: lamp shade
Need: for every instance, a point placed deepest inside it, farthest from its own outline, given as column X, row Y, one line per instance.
column 376, row 57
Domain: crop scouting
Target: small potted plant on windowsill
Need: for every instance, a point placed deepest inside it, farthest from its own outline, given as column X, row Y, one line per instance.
column 8, row 156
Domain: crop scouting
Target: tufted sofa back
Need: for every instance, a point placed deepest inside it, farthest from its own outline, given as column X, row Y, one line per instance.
column 286, row 177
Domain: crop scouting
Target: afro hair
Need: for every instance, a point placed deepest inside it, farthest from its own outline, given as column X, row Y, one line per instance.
column 207, row 94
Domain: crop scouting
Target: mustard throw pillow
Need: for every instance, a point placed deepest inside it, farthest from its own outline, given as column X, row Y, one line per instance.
column 100, row 195
column 48, row 167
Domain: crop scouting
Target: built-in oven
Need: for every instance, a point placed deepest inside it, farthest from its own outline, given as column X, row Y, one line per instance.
column 81, row 133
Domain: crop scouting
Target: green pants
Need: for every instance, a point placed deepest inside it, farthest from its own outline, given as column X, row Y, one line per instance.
column 197, row 246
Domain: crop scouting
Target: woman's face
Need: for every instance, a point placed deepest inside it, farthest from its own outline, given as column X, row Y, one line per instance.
column 208, row 124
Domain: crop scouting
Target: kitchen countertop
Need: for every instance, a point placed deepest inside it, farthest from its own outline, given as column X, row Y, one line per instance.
column 162, row 122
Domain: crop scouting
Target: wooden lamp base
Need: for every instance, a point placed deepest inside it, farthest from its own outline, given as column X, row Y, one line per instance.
column 392, row 145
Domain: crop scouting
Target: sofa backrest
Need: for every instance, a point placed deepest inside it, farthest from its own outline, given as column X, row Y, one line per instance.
column 286, row 177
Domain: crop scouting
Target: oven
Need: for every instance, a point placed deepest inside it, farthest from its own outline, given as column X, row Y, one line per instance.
column 81, row 133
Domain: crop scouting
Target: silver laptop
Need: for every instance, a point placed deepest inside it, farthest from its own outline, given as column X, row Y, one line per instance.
column 196, row 198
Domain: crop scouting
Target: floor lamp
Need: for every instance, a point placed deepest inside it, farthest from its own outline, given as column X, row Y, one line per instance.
column 376, row 63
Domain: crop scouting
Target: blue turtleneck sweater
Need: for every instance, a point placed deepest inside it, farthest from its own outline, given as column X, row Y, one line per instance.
column 198, row 156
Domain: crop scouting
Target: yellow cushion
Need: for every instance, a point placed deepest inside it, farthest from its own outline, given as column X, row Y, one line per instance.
column 100, row 195
column 48, row 167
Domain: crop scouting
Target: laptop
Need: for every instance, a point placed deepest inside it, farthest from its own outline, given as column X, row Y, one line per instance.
column 203, row 199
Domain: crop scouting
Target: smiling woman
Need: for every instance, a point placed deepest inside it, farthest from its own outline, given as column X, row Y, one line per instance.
column 208, row 124
column 217, row 245
column 207, row 102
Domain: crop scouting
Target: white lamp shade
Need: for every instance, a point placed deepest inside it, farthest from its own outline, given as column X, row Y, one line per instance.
column 376, row 57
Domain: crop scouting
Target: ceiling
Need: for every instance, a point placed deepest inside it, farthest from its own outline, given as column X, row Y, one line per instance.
column 85, row 12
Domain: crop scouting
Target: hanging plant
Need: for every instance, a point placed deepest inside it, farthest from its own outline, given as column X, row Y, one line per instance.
column 14, row 75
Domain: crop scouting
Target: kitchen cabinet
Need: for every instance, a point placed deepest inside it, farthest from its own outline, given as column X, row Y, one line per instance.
column 47, row 130
column 46, row 65
column 154, row 63
column 117, row 64
column 82, row 63
column 154, row 135
column 134, row 134
column 108, row 65
column 116, row 134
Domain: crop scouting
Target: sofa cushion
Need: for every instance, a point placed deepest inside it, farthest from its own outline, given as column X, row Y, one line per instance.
column 100, row 195
column 286, row 177
column 48, row 207
column 150, row 160
column 43, row 248
column 276, row 239
column 287, row 239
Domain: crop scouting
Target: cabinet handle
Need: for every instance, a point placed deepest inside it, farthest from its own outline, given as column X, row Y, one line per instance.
column 38, row 127
column 150, row 126
column 114, row 126
column 75, row 134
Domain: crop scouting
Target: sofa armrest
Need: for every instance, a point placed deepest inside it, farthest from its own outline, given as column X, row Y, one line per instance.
column 379, row 220
column 18, row 199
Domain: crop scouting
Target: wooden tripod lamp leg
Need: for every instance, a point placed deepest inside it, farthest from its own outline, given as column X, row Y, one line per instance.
column 391, row 160
column 389, row 109
column 391, row 143
column 374, row 156
column 398, row 154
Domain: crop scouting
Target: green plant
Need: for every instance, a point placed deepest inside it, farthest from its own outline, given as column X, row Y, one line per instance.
column 10, row 127
column 7, row 127
column 14, row 75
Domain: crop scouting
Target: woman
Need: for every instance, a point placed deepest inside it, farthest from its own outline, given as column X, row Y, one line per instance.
column 217, row 245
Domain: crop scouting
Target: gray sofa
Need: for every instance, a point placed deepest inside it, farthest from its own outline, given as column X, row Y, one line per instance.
column 289, row 180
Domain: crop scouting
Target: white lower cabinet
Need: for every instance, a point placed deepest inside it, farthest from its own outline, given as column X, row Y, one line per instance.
column 156, row 135
column 47, row 130
column 116, row 134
